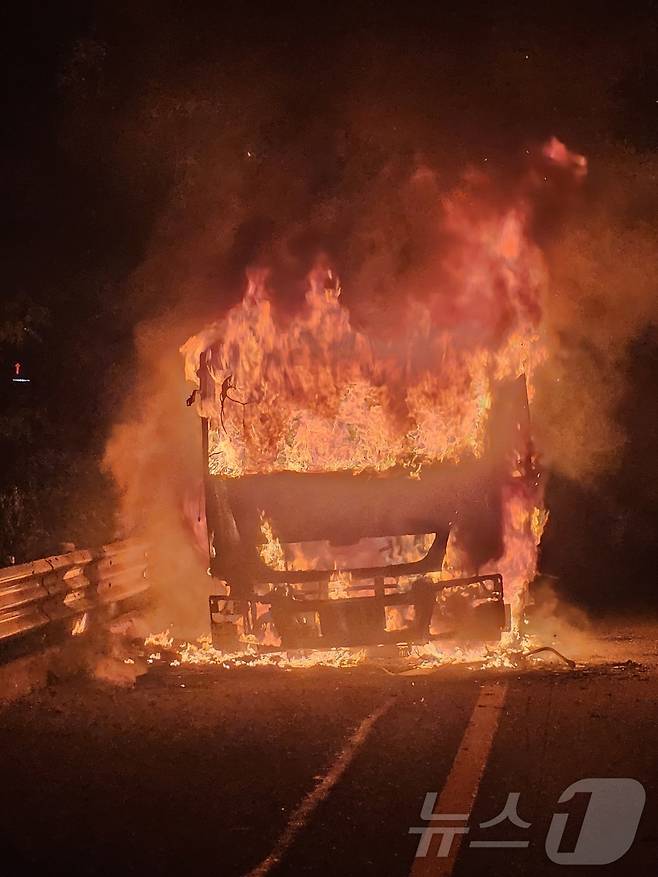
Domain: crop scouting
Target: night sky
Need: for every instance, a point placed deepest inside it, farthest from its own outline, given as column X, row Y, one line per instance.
column 128, row 125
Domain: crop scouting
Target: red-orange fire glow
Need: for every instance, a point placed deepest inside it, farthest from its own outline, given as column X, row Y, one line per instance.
column 309, row 392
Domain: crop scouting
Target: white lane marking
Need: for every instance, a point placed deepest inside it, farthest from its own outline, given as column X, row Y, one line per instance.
column 463, row 782
column 300, row 817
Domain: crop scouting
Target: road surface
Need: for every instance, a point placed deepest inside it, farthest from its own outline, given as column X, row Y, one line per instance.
column 323, row 771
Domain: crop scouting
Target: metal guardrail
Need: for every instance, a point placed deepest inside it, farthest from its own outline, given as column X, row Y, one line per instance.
column 64, row 593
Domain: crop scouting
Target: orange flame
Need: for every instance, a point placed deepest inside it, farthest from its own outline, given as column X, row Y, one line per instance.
column 311, row 392
column 315, row 394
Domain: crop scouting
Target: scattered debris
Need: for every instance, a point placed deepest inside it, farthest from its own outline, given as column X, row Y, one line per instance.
column 541, row 649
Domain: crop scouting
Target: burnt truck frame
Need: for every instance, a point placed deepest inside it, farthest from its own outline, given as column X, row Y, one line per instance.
column 344, row 507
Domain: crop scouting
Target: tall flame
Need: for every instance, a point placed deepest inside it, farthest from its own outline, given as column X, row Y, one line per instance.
column 310, row 392
column 313, row 393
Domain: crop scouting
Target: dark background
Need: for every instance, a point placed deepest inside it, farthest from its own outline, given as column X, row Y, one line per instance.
column 108, row 107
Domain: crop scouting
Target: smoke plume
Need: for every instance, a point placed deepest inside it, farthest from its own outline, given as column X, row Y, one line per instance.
column 273, row 177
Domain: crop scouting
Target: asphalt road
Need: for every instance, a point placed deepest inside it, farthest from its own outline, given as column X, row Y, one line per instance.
column 319, row 771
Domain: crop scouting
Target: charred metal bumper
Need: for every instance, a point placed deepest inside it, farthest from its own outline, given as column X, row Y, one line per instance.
column 467, row 609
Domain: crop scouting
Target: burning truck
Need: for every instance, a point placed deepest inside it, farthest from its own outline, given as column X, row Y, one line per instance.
column 364, row 490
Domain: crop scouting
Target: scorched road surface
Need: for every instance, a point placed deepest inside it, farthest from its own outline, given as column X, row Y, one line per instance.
column 317, row 772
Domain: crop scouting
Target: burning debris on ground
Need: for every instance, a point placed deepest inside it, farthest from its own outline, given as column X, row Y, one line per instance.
column 512, row 653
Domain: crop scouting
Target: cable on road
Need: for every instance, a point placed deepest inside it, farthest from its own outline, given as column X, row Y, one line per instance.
column 566, row 660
